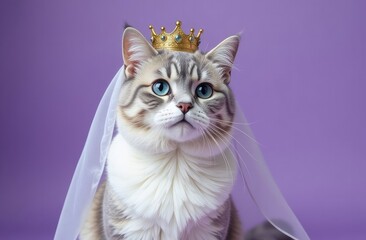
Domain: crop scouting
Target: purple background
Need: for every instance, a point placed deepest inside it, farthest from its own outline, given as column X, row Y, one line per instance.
column 300, row 73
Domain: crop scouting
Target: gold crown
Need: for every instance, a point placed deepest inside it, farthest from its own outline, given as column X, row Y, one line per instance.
column 176, row 40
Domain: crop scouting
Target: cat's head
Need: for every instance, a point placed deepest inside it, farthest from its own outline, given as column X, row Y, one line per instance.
column 172, row 98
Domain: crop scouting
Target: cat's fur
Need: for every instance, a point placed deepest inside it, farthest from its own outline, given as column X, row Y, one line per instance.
column 170, row 171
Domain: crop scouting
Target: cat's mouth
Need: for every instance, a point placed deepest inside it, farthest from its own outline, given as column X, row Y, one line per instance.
column 182, row 129
column 182, row 122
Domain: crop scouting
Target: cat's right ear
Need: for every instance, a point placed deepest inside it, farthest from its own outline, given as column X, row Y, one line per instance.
column 135, row 50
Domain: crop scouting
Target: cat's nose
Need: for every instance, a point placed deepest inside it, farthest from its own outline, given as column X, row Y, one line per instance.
column 184, row 107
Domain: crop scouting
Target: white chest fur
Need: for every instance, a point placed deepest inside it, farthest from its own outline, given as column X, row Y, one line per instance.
column 168, row 193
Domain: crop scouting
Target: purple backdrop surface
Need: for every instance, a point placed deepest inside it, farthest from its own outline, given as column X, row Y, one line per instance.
column 300, row 73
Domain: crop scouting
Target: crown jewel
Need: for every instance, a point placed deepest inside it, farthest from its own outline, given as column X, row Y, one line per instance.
column 176, row 40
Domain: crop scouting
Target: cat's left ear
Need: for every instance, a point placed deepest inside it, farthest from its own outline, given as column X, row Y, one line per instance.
column 223, row 56
column 135, row 50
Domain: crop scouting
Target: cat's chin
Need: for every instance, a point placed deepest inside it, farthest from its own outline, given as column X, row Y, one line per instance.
column 182, row 131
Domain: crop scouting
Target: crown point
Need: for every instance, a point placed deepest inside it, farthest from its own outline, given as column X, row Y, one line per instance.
column 199, row 33
column 153, row 33
column 176, row 40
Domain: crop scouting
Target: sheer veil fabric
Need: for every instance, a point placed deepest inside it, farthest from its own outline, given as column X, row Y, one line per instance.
column 90, row 167
column 254, row 176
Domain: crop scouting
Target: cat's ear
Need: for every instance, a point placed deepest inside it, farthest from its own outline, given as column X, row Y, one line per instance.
column 135, row 50
column 223, row 56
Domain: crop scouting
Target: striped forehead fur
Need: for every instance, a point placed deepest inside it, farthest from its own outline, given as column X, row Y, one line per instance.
column 182, row 65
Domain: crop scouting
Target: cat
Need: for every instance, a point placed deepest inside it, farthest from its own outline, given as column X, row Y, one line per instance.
column 169, row 169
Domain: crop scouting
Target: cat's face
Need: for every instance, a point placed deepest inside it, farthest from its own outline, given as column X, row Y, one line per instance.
column 176, row 97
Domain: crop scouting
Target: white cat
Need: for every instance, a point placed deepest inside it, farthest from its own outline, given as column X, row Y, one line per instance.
column 169, row 169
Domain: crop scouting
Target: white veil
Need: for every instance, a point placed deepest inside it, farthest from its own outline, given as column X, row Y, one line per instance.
column 259, row 183
column 91, row 164
column 254, row 172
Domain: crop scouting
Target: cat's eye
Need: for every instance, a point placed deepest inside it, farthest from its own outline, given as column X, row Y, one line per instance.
column 161, row 87
column 204, row 90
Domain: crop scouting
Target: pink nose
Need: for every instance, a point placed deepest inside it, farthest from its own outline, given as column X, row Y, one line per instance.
column 184, row 107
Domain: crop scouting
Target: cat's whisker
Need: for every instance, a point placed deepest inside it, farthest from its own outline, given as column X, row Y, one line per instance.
column 225, row 137
column 228, row 168
column 236, row 140
column 246, row 150
column 240, row 131
column 232, row 122
column 240, row 161
column 206, row 140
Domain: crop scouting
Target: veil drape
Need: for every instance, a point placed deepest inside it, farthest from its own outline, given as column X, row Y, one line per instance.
column 254, row 177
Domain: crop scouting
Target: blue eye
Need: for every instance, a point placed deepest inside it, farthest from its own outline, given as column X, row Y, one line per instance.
column 204, row 90
column 161, row 87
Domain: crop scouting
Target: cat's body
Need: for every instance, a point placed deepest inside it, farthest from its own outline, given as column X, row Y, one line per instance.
column 170, row 169
column 172, row 200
